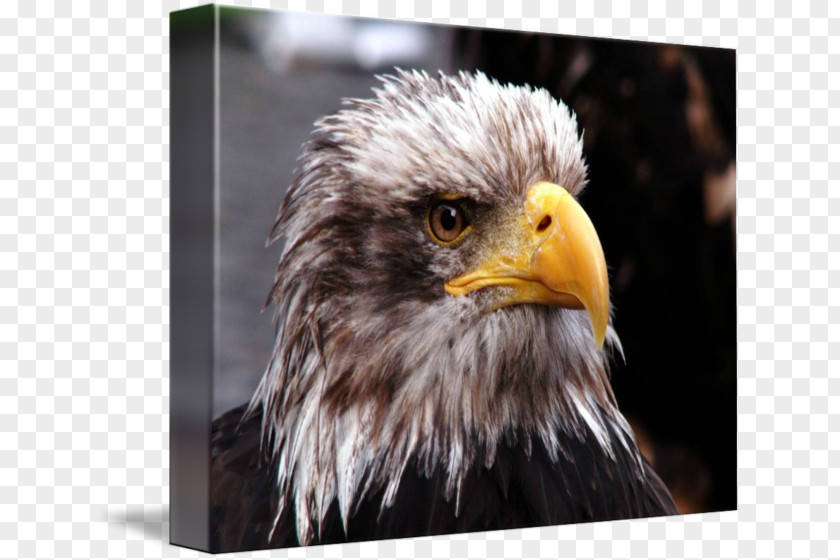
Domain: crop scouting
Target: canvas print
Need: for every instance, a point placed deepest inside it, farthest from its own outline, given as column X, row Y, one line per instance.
column 432, row 279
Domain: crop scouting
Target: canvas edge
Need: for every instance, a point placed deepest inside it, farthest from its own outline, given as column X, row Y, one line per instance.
column 193, row 258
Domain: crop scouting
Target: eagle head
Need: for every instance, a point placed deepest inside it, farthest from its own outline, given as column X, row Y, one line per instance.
column 440, row 292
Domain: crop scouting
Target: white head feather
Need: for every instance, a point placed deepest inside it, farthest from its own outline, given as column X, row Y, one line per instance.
column 374, row 364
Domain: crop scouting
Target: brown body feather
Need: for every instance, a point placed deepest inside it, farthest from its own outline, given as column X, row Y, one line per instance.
column 522, row 488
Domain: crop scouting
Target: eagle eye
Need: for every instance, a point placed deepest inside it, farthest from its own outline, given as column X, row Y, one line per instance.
column 447, row 221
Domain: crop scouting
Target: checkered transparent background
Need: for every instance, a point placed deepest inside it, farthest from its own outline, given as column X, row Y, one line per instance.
column 84, row 279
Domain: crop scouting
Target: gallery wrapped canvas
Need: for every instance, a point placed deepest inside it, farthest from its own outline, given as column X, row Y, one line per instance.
column 432, row 279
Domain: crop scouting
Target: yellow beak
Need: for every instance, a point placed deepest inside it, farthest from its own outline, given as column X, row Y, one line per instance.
column 554, row 258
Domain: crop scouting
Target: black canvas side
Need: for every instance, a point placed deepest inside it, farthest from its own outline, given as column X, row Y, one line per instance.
column 193, row 37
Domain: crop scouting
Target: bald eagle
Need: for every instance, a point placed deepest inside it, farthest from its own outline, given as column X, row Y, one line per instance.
column 443, row 333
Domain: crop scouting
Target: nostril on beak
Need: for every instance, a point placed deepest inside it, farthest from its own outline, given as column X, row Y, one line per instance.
column 544, row 224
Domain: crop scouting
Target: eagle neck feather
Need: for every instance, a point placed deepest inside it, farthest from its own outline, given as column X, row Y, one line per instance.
column 346, row 409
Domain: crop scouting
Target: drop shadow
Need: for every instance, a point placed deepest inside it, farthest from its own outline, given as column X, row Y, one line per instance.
column 148, row 520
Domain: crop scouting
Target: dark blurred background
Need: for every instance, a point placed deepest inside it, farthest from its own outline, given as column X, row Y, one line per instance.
column 659, row 140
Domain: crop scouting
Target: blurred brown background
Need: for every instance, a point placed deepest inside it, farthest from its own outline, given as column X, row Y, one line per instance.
column 659, row 139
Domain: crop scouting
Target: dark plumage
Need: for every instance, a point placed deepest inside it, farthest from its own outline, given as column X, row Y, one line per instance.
column 518, row 490
column 435, row 368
